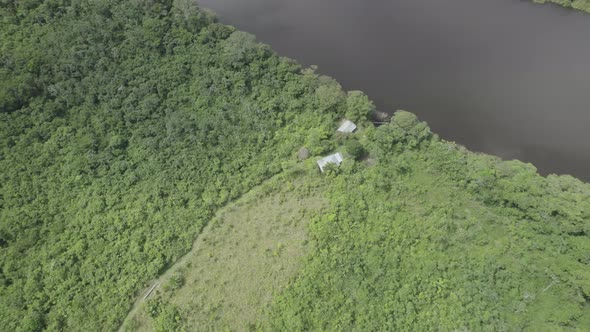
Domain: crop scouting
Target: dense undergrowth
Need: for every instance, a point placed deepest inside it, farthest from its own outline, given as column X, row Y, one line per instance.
column 434, row 237
column 124, row 125
column 259, row 237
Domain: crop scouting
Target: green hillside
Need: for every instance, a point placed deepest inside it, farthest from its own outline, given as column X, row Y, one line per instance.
column 433, row 237
column 127, row 126
column 249, row 252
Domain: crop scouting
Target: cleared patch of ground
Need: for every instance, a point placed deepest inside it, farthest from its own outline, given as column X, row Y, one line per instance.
column 247, row 254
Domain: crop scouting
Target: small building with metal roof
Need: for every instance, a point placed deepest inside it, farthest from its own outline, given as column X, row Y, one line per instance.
column 331, row 159
column 347, row 127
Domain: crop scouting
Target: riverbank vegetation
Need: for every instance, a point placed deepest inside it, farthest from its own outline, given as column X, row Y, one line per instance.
column 126, row 125
column 434, row 237
column 583, row 5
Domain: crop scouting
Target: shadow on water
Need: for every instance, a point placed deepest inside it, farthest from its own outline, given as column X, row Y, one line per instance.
column 504, row 77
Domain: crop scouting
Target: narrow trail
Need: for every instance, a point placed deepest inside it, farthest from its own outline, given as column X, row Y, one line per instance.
column 157, row 283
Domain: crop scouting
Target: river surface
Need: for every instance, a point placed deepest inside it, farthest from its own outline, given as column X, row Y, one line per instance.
column 505, row 77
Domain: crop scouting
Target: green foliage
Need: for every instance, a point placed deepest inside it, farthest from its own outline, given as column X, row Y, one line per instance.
column 125, row 126
column 240, row 48
column 329, row 95
column 434, row 237
column 168, row 320
column 318, row 142
column 175, row 282
column 404, row 120
column 358, row 106
column 237, row 264
column 331, row 170
column 165, row 317
column 403, row 132
column 354, row 148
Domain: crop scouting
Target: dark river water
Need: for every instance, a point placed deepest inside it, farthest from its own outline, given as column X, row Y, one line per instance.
column 505, row 77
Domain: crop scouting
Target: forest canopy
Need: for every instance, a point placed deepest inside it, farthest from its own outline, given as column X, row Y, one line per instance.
column 125, row 125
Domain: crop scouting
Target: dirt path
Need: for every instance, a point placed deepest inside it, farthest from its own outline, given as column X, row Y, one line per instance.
column 271, row 218
column 157, row 283
column 154, row 285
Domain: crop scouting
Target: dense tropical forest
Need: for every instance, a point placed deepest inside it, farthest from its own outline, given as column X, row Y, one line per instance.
column 127, row 126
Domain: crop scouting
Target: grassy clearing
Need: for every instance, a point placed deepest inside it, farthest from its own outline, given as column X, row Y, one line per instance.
column 250, row 251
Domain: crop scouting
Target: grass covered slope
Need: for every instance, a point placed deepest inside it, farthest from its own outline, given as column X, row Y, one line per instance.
column 250, row 251
column 126, row 125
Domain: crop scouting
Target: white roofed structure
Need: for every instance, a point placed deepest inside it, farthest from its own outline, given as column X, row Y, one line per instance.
column 347, row 127
column 331, row 159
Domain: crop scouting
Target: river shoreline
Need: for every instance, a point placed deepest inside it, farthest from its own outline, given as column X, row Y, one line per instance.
column 496, row 76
